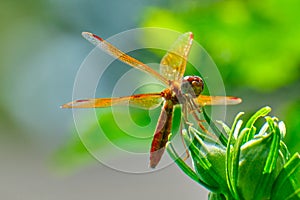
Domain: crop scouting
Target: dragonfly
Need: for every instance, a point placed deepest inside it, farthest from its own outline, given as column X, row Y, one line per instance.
column 180, row 90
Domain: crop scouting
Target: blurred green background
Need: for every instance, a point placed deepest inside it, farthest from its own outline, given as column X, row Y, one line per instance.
column 255, row 45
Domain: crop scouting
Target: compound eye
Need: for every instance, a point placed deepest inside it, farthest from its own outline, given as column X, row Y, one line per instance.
column 193, row 85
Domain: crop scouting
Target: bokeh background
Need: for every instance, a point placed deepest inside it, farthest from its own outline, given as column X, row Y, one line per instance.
column 255, row 45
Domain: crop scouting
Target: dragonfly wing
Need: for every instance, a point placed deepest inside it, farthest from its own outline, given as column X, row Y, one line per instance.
column 204, row 100
column 113, row 51
column 172, row 65
column 145, row 101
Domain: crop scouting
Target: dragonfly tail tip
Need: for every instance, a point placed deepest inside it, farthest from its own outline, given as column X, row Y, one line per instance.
column 85, row 33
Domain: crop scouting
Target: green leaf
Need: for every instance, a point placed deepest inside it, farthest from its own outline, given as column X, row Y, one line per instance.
column 266, row 181
column 225, row 127
column 201, row 163
column 216, row 196
column 287, row 184
column 229, row 158
column 185, row 168
column 216, row 131
column 274, row 149
column 235, row 162
column 250, row 124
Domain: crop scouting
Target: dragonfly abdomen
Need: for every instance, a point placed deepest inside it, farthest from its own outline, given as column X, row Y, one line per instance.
column 162, row 133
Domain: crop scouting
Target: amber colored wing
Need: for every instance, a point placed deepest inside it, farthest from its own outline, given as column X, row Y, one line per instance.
column 145, row 101
column 204, row 100
column 113, row 51
column 172, row 65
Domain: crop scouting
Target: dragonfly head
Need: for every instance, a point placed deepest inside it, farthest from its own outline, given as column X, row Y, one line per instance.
column 192, row 85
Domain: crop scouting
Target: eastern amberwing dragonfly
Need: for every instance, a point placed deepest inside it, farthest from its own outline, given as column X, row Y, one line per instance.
column 185, row 91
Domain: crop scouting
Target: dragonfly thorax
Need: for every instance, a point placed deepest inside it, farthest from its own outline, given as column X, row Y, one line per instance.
column 192, row 85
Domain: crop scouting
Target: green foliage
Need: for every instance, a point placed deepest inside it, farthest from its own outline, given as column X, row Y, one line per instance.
column 254, row 164
column 243, row 37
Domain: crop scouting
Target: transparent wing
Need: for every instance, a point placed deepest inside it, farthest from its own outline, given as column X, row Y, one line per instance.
column 145, row 101
column 172, row 65
column 204, row 100
column 113, row 51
